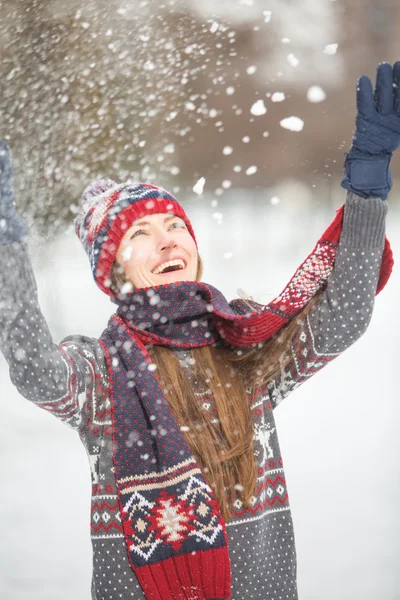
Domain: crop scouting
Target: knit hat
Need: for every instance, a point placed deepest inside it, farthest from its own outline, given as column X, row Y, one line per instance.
column 108, row 211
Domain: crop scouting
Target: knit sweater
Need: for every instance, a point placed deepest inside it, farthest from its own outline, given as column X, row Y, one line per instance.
column 70, row 380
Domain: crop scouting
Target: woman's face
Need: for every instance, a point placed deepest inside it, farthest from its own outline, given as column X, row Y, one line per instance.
column 153, row 241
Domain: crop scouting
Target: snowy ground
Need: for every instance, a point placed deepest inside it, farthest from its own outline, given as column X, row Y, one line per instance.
column 339, row 433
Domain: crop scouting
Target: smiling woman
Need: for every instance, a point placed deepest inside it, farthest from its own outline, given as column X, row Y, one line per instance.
column 175, row 401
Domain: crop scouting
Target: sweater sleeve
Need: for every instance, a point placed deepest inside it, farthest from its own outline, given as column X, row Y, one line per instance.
column 344, row 310
column 57, row 378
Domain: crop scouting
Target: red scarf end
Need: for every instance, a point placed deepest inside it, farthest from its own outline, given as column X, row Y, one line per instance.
column 200, row 575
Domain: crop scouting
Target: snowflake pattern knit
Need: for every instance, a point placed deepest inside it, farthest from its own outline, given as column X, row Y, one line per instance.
column 70, row 380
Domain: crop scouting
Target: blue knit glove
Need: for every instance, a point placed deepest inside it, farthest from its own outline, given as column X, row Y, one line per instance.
column 12, row 227
column 377, row 134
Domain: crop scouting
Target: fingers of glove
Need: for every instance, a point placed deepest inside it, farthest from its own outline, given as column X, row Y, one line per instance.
column 396, row 84
column 384, row 89
column 365, row 98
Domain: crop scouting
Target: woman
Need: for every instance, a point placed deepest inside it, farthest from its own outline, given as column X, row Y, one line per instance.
column 174, row 402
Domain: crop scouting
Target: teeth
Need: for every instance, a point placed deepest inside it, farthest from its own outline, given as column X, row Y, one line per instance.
column 177, row 262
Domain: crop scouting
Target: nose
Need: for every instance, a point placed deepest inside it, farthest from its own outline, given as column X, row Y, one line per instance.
column 166, row 241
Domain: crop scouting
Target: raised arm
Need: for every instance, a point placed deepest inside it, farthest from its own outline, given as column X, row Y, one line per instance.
column 344, row 309
column 58, row 378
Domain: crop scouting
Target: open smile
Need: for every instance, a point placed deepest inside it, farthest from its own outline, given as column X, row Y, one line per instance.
column 170, row 266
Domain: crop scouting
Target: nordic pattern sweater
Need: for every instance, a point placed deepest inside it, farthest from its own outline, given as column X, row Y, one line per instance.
column 70, row 381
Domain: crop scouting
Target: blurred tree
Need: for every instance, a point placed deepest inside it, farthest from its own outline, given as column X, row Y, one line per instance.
column 157, row 92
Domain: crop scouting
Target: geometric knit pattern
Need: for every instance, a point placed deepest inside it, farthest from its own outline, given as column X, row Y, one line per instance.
column 170, row 516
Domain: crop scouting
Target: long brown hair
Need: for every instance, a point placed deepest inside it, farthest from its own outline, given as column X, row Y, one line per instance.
column 223, row 447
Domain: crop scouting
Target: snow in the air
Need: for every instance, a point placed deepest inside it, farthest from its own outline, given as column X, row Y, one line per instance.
column 199, row 186
column 169, row 148
column 315, row 94
column 251, row 170
column 251, row 70
column 278, row 97
column 258, row 108
column 330, row 49
column 292, row 60
column 292, row 123
column 267, row 16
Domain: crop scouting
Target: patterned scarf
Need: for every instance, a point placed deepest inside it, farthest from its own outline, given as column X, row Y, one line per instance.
column 174, row 532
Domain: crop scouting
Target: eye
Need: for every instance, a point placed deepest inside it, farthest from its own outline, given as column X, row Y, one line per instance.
column 136, row 232
column 179, row 223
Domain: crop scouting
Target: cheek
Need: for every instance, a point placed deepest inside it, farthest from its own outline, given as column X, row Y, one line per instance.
column 192, row 246
column 135, row 254
column 127, row 253
column 187, row 242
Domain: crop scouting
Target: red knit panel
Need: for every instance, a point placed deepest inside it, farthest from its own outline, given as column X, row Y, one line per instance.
column 263, row 327
column 199, row 576
column 332, row 233
column 217, row 578
column 386, row 266
column 184, row 573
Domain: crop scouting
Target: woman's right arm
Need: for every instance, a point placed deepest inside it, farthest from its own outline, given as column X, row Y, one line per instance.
column 58, row 378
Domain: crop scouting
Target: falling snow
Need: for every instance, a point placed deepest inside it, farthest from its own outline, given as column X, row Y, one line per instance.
column 251, row 70
column 278, row 97
column 251, row 170
column 330, row 49
column 267, row 16
column 218, row 217
column 315, row 94
column 199, row 186
column 292, row 60
column 292, row 123
column 258, row 108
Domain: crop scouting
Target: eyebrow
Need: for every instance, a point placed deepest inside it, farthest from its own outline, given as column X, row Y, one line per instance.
column 147, row 223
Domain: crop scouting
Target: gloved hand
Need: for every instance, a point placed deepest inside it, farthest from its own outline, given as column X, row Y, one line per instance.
column 12, row 227
column 377, row 134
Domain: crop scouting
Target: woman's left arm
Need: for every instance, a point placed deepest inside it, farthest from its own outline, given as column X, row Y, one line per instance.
column 345, row 308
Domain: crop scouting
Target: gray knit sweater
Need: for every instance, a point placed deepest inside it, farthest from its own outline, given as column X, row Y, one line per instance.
column 70, row 380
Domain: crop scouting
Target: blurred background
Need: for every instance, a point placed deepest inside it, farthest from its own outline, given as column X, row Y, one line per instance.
column 243, row 109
